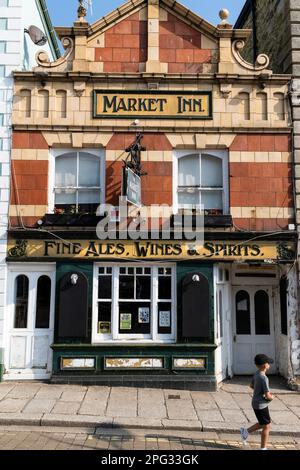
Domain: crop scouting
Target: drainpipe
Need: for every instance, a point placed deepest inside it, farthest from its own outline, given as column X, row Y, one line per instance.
column 1, row 364
column 254, row 24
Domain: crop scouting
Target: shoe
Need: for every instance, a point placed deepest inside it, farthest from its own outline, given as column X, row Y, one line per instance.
column 264, row 448
column 244, row 435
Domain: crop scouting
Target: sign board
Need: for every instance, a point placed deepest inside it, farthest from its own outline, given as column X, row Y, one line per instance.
column 132, row 187
column 158, row 249
column 148, row 104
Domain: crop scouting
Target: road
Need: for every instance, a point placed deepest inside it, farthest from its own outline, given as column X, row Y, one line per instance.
column 58, row 438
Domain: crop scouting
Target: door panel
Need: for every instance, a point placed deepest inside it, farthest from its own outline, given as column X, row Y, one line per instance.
column 253, row 327
column 18, row 352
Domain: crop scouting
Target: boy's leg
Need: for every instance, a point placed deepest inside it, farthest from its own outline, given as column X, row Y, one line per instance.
column 254, row 428
column 265, row 435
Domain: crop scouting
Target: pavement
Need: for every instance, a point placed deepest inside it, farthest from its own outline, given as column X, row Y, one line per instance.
column 224, row 411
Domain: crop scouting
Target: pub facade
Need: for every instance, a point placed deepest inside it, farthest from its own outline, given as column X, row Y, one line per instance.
column 153, row 105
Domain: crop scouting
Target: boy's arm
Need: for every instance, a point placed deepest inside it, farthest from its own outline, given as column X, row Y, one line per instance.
column 269, row 396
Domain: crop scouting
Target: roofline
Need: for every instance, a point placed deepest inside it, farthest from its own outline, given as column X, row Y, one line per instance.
column 246, row 10
column 43, row 6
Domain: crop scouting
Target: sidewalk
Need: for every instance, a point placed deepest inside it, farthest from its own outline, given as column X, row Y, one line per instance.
column 225, row 411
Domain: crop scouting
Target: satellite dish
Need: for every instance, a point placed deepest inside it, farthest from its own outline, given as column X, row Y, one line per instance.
column 36, row 35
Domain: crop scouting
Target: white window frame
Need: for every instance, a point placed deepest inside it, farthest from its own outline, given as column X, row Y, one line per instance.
column 54, row 153
column 222, row 154
column 115, row 337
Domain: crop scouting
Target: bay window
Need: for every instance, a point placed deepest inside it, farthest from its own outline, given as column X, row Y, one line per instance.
column 134, row 302
column 201, row 180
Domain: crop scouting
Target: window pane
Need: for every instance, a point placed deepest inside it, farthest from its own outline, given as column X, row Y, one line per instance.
column 66, row 171
column 89, row 170
column 262, row 314
column 92, row 197
column 104, row 318
column 43, row 299
column 164, row 287
column 188, row 198
column 164, row 326
column 65, row 196
column 2, row 70
column 134, row 317
column 189, row 171
column 212, row 200
column 104, row 287
column 243, row 326
column 21, row 301
column 3, row 23
column 211, row 172
column 126, row 287
column 2, row 47
column 143, row 287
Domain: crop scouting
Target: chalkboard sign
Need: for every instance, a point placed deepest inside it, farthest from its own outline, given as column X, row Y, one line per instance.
column 73, row 306
column 195, row 306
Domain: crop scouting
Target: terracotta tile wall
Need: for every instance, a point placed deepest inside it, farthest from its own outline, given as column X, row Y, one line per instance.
column 180, row 47
column 125, row 46
column 121, row 141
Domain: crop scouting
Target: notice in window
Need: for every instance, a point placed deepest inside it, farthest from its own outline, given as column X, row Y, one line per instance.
column 104, row 327
column 125, row 321
column 144, row 315
column 164, row 319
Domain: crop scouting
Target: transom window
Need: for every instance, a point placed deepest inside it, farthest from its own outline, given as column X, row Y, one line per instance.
column 202, row 181
column 78, row 185
column 134, row 303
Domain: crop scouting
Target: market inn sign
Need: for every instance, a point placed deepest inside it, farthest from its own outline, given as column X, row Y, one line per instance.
column 152, row 104
column 165, row 250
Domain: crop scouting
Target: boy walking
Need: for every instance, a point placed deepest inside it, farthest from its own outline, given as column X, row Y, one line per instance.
column 260, row 400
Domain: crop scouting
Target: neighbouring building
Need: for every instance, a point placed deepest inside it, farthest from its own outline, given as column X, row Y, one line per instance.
column 276, row 32
column 18, row 20
column 153, row 93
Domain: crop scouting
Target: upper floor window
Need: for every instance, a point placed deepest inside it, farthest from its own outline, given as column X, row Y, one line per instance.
column 3, row 23
column 79, row 181
column 202, row 181
column 3, row 3
column 3, row 47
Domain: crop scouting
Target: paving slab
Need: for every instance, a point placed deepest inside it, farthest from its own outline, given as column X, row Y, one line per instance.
column 137, row 423
column 24, row 391
column 243, row 400
column 183, row 394
column 178, row 409
column 122, row 403
column 5, row 388
column 50, row 393
column 12, row 405
column 225, row 400
column 75, row 420
column 181, row 424
column 65, row 408
column 234, row 416
column 284, row 417
column 207, row 403
column 70, row 395
column 151, row 404
column 92, row 407
column 296, row 411
column 291, row 400
column 211, row 415
column 39, row 406
column 220, row 427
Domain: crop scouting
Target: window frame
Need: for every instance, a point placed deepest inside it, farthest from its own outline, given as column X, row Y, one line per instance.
column 54, row 153
column 154, row 337
column 221, row 154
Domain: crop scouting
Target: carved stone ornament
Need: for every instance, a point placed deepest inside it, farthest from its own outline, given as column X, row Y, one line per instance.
column 225, row 89
column 284, row 252
column 262, row 61
column 19, row 249
column 43, row 60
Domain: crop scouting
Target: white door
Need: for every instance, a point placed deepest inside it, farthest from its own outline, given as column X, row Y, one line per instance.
column 253, row 327
column 31, row 324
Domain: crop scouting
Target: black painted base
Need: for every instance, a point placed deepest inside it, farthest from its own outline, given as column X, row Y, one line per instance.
column 202, row 383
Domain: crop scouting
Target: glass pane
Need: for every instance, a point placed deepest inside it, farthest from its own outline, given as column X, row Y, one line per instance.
column 126, row 287
column 134, row 317
column 189, row 171
column 104, row 287
column 164, row 287
column 43, row 299
column 143, row 287
column 66, row 170
column 262, row 314
column 63, row 196
column 164, row 318
column 190, row 198
column 243, row 325
column 211, row 172
column 21, row 301
column 89, row 170
column 92, row 197
column 104, row 318
column 212, row 200
column 2, row 47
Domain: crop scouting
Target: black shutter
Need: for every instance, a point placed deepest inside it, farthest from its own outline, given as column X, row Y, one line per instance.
column 73, row 306
column 195, row 306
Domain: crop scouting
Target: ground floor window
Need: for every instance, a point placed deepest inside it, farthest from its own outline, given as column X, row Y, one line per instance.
column 134, row 302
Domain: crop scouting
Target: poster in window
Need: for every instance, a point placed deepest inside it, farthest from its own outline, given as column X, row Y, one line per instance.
column 164, row 319
column 144, row 315
column 125, row 321
column 104, row 327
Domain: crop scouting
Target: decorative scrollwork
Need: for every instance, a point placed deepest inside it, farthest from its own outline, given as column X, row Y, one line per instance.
column 19, row 249
column 262, row 61
column 285, row 252
column 43, row 60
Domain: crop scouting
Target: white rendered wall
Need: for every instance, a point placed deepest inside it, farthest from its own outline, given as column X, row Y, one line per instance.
column 19, row 55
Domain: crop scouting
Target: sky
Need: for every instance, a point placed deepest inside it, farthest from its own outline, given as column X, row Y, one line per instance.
column 64, row 12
